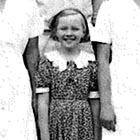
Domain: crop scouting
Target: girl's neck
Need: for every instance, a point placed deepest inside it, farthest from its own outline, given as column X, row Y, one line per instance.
column 69, row 54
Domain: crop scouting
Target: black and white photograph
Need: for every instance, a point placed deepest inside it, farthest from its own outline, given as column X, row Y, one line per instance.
column 69, row 69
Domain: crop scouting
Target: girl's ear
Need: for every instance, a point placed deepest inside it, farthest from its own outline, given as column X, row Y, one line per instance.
column 85, row 37
column 54, row 35
column 84, row 33
column 82, row 38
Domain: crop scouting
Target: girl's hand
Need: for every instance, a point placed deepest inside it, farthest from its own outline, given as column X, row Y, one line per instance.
column 108, row 117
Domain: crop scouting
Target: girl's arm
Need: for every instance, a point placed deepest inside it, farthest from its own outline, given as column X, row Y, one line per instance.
column 42, row 81
column 94, row 101
column 95, row 108
column 43, row 106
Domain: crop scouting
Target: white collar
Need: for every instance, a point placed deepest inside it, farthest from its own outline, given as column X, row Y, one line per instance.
column 58, row 61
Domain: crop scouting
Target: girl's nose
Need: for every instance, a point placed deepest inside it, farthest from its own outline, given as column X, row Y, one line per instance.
column 69, row 32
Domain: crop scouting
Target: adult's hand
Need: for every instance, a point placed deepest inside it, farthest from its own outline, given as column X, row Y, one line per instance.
column 108, row 117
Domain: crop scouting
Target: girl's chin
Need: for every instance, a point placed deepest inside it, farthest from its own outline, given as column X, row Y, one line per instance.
column 69, row 45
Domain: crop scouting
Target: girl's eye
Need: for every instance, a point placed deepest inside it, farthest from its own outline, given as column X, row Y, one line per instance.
column 63, row 28
column 75, row 28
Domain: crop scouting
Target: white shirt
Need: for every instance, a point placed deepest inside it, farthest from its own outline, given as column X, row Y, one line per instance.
column 118, row 22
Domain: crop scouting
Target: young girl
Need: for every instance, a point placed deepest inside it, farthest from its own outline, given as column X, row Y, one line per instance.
column 64, row 80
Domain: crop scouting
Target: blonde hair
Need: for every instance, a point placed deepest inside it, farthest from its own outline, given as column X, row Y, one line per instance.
column 66, row 12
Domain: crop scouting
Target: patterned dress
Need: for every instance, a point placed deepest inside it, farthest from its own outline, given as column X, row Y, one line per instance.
column 70, row 115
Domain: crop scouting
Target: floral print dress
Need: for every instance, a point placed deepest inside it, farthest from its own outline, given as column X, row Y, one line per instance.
column 69, row 83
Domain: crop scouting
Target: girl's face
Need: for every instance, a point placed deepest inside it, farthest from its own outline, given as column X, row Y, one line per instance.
column 70, row 30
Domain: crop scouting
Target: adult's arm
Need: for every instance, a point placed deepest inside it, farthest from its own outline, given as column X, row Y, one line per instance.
column 95, row 108
column 107, row 114
column 31, row 57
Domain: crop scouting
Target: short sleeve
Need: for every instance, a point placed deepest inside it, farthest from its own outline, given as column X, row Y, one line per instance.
column 102, row 30
column 93, row 87
column 93, row 78
column 43, row 76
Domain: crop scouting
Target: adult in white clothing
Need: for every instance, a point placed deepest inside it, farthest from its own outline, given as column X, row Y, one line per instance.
column 118, row 23
column 19, row 21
